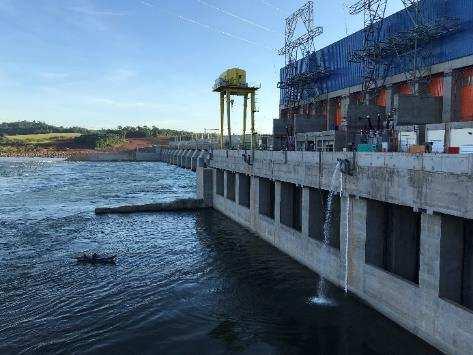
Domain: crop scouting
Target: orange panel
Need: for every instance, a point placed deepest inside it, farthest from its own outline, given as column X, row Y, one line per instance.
column 381, row 98
column 338, row 112
column 466, row 95
column 436, row 86
column 404, row 89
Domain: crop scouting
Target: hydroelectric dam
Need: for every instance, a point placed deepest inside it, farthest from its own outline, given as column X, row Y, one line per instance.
column 397, row 233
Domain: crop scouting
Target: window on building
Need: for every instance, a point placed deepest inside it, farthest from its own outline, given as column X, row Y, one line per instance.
column 393, row 239
column 291, row 205
column 220, row 182
column 456, row 260
column 266, row 197
column 244, row 188
column 321, row 222
column 231, row 186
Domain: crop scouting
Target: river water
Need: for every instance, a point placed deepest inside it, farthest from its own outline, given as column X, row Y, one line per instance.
column 184, row 283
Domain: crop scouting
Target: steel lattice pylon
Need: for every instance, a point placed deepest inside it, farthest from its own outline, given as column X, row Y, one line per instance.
column 422, row 33
column 368, row 56
column 411, row 47
column 294, row 82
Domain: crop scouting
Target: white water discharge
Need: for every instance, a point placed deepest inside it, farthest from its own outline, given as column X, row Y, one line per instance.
column 347, row 226
column 321, row 297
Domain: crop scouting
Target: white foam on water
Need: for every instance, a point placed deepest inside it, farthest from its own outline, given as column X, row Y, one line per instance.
column 321, row 301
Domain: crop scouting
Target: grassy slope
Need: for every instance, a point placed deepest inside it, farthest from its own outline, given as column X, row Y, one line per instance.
column 47, row 138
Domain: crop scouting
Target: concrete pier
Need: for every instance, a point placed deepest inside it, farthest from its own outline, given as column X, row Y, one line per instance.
column 400, row 237
column 174, row 206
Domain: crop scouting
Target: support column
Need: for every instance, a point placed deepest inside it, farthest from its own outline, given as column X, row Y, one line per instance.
column 214, row 182
column 344, row 102
column 447, row 137
column 222, row 113
column 228, row 121
column 254, row 199
column 389, row 98
column 245, row 111
column 429, row 270
column 205, row 186
column 277, row 203
column 253, row 110
column 305, row 212
column 237, row 189
column 448, row 95
column 353, row 217
column 328, row 112
column 225, row 176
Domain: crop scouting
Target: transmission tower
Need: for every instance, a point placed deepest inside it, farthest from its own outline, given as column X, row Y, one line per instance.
column 369, row 56
column 294, row 82
column 419, row 55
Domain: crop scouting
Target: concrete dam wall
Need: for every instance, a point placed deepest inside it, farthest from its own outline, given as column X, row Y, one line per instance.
column 401, row 231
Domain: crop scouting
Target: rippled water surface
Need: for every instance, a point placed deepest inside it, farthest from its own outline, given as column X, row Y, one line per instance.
column 185, row 283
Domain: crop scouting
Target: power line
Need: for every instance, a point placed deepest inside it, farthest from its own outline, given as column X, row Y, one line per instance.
column 207, row 26
column 231, row 14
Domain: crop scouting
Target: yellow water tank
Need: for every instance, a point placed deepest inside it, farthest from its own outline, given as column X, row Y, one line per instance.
column 233, row 77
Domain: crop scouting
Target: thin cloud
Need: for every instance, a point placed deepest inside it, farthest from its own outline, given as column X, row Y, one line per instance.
column 121, row 75
column 53, row 75
column 93, row 12
column 146, row 3
column 231, row 14
column 209, row 27
column 125, row 104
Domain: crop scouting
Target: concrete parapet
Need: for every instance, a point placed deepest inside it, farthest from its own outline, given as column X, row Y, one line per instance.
column 433, row 182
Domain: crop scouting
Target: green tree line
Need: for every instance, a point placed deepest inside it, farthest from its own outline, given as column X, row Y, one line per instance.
column 37, row 127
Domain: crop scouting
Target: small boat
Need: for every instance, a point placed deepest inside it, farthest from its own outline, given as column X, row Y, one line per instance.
column 96, row 259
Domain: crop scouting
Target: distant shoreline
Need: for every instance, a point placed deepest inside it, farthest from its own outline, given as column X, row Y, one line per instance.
column 40, row 153
column 70, row 154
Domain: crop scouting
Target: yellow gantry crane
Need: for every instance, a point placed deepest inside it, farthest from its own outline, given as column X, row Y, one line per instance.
column 233, row 82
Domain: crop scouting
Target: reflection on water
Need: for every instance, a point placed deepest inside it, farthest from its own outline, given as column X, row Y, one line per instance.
column 184, row 283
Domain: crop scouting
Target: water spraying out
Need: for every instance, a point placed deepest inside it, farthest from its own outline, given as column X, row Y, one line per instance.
column 322, row 297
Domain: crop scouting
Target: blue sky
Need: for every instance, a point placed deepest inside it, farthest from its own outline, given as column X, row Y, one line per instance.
column 103, row 63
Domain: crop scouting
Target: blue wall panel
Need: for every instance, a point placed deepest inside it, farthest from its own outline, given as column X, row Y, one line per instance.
column 344, row 74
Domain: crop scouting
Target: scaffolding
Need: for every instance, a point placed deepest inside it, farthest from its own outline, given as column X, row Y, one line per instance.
column 226, row 91
column 410, row 47
column 373, row 16
column 295, row 81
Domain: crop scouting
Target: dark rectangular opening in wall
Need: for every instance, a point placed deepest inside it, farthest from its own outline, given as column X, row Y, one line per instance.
column 244, row 183
column 456, row 260
column 219, row 182
column 318, row 200
column 393, row 239
column 291, row 205
column 231, row 186
column 266, row 197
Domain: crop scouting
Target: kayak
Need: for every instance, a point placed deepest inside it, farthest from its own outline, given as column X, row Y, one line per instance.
column 96, row 259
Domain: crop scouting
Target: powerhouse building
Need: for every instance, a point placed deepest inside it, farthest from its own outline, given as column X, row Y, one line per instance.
column 442, row 115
